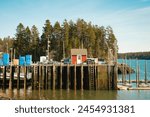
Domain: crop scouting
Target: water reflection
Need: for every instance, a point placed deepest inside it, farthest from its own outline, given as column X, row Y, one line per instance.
column 61, row 94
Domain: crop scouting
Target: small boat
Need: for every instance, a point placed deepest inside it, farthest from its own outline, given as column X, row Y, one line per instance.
column 143, row 85
column 127, row 84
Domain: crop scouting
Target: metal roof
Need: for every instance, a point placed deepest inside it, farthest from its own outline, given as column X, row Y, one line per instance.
column 78, row 51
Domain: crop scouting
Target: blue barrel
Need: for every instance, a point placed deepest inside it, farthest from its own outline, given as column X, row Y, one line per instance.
column 1, row 62
column 22, row 60
column 5, row 59
column 28, row 59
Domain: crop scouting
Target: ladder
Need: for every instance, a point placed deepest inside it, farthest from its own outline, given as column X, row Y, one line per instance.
column 91, row 77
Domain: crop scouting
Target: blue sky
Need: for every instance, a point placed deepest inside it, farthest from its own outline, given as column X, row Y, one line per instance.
column 130, row 19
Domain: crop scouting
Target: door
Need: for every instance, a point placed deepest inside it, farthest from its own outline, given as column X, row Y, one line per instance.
column 83, row 58
column 74, row 59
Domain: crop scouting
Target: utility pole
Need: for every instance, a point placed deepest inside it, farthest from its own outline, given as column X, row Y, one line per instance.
column 11, row 56
column 63, row 49
column 116, row 65
column 6, row 47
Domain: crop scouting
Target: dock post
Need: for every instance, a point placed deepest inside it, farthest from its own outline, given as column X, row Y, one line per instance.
column 130, row 72
column 18, row 77
column 25, row 78
column 68, row 76
column 32, row 77
column 46, row 77
column 122, row 71
column 4, row 77
column 136, row 73
column 98, row 74
column 145, row 72
column 75, row 80
column 35, row 76
column 115, row 76
column 89, row 76
column 95, row 72
column 82, row 72
column 108, row 73
column 60, row 76
column 39, row 71
column 43, row 77
column 54, row 75
column 11, row 77
column 125, row 71
column 49, row 75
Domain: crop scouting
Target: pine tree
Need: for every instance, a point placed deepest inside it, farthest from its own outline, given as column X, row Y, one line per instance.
column 57, row 42
column 65, row 36
column 20, row 41
column 35, row 40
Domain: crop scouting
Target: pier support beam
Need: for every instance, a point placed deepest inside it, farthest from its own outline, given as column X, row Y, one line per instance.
column 25, row 77
column 4, row 77
column 54, row 77
column 75, row 80
column 60, row 76
column 11, row 79
column 68, row 76
column 82, row 72
column 18, row 77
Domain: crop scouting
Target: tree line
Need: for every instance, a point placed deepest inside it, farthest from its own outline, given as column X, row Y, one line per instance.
column 60, row 38
column 135, row 55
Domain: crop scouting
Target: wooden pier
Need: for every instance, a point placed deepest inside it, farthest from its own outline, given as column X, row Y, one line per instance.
column 62, row 76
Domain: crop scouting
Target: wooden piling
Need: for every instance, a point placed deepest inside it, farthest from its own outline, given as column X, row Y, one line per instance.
column 123, row 77
column 89, row 76
column 136, row 73
column 25, row 77
column 75, row 80
column 35, row 76
column 125, row 71
column 145, row 72
column 4, row 77
column 82, row 72
column 11, row 79
column 40, row 78
column 60, row 76
column 32, row 77
column 18, row 77
column 98, row 75
column 49, row 75
column 68, row 76
column 130, row 72
column 108, row 72
column 54, row 76
column 46, row 77
column 95, row 73
column 43, row 77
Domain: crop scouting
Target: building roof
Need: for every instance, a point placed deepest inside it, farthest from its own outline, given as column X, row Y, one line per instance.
column 78, row 51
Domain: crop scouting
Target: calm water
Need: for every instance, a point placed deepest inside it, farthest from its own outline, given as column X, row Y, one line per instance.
column 133, row 64
column 30, row 94
column 77, row 95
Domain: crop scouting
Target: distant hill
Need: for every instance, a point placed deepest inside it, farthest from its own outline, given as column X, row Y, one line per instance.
column 135, row 55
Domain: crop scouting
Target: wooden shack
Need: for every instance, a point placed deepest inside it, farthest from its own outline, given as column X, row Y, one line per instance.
column 78, row 55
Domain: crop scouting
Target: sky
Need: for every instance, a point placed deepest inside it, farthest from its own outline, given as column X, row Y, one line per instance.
column 130, row 19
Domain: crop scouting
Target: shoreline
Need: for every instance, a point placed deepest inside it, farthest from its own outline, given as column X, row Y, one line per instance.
column 4, row 97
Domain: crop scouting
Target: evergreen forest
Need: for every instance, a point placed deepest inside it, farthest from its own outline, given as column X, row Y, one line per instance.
column 58, row 39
